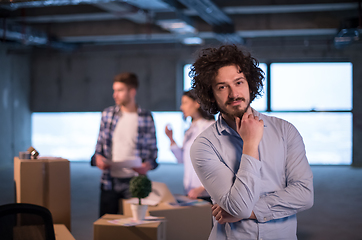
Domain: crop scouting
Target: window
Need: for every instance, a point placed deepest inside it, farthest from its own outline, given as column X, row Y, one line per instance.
column 73, row 136
column 259, row 103
column 187, row 79
column 311, row 86
column 178, row 125
column 327, row 135
column 317, row 99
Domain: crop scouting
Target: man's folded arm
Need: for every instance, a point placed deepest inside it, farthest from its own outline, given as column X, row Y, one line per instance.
column 298, row 195
column 236, row 193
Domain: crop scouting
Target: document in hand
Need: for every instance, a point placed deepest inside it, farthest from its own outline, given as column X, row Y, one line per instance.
column 118, row 167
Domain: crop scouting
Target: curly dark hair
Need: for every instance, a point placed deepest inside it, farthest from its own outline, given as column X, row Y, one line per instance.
column 206, row 67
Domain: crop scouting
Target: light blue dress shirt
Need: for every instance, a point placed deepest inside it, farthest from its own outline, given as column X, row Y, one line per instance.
column 275, row 188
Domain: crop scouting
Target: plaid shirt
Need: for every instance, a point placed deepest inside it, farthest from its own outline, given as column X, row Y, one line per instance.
column 146, row 146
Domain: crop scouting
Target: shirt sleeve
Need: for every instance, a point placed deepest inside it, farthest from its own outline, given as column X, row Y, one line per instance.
column 100, row 139
column 99, row 144
column 237, row 193
column 178, row 152
column 298, row 194
column 151, row 143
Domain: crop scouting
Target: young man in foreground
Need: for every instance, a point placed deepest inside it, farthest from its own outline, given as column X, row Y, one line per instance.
column 253, row 166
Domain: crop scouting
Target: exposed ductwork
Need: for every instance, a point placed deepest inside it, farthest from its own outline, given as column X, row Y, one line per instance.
column 171, row 21
column 28, row 36
column 145, row 4
column 138, row 11
column 222, row 25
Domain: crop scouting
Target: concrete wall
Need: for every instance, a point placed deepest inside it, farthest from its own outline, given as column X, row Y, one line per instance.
column 82, row 81
column 15, row 117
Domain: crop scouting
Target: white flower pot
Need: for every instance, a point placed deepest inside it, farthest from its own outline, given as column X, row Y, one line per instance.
column 138, row 211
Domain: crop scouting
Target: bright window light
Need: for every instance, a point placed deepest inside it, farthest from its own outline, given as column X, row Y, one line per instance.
column 259, row 103
column 178, row 125
column 72, row 136
column 327, row 136
column 311, row 86
column 192, row 41
column 187, row 79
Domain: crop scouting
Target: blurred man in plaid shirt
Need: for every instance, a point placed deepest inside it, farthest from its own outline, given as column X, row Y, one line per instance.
column 126, row 145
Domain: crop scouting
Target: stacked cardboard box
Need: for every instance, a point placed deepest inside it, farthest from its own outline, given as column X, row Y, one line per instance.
column 45, row 182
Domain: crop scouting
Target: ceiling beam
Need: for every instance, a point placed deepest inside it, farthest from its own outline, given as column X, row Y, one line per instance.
column 271, row 9
column 208, row 11
column 221, row 24
column 125, row 11
column 29, row 36
column 15, row 4
column 168, row 37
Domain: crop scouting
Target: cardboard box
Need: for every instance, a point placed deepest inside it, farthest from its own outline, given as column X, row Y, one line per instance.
column 185, row 222
column 45, row 182
column 62, row 232
column 104, row 230
column 193, row 222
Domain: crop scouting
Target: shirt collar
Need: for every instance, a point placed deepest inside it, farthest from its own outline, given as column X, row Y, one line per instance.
column 117, row 109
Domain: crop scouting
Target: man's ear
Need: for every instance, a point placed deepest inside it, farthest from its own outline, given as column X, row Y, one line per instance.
column 197, row 104
column 133, row 92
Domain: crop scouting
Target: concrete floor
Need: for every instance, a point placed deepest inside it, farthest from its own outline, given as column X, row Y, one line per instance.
column 335, row 214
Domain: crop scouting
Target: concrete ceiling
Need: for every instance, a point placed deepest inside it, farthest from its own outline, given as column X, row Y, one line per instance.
column 64, row 24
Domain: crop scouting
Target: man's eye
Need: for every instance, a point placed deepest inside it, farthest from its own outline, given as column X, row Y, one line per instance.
column 221, row 87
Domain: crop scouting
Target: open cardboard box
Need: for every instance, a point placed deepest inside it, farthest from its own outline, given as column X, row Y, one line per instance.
column 192, row 222
column 105, row 229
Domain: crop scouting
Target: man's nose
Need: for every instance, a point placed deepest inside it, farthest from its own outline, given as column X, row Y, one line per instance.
column 233, row 92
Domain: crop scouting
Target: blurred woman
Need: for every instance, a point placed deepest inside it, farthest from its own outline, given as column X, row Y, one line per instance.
column 200, row 121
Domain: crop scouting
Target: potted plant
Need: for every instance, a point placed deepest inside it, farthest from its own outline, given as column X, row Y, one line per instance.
column 140, row 187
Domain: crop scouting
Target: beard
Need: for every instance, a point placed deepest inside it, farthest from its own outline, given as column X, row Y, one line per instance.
column 238, row 111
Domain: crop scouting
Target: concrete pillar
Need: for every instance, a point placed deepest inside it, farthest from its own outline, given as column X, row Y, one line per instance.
column 357, row 112
column 15, row 117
